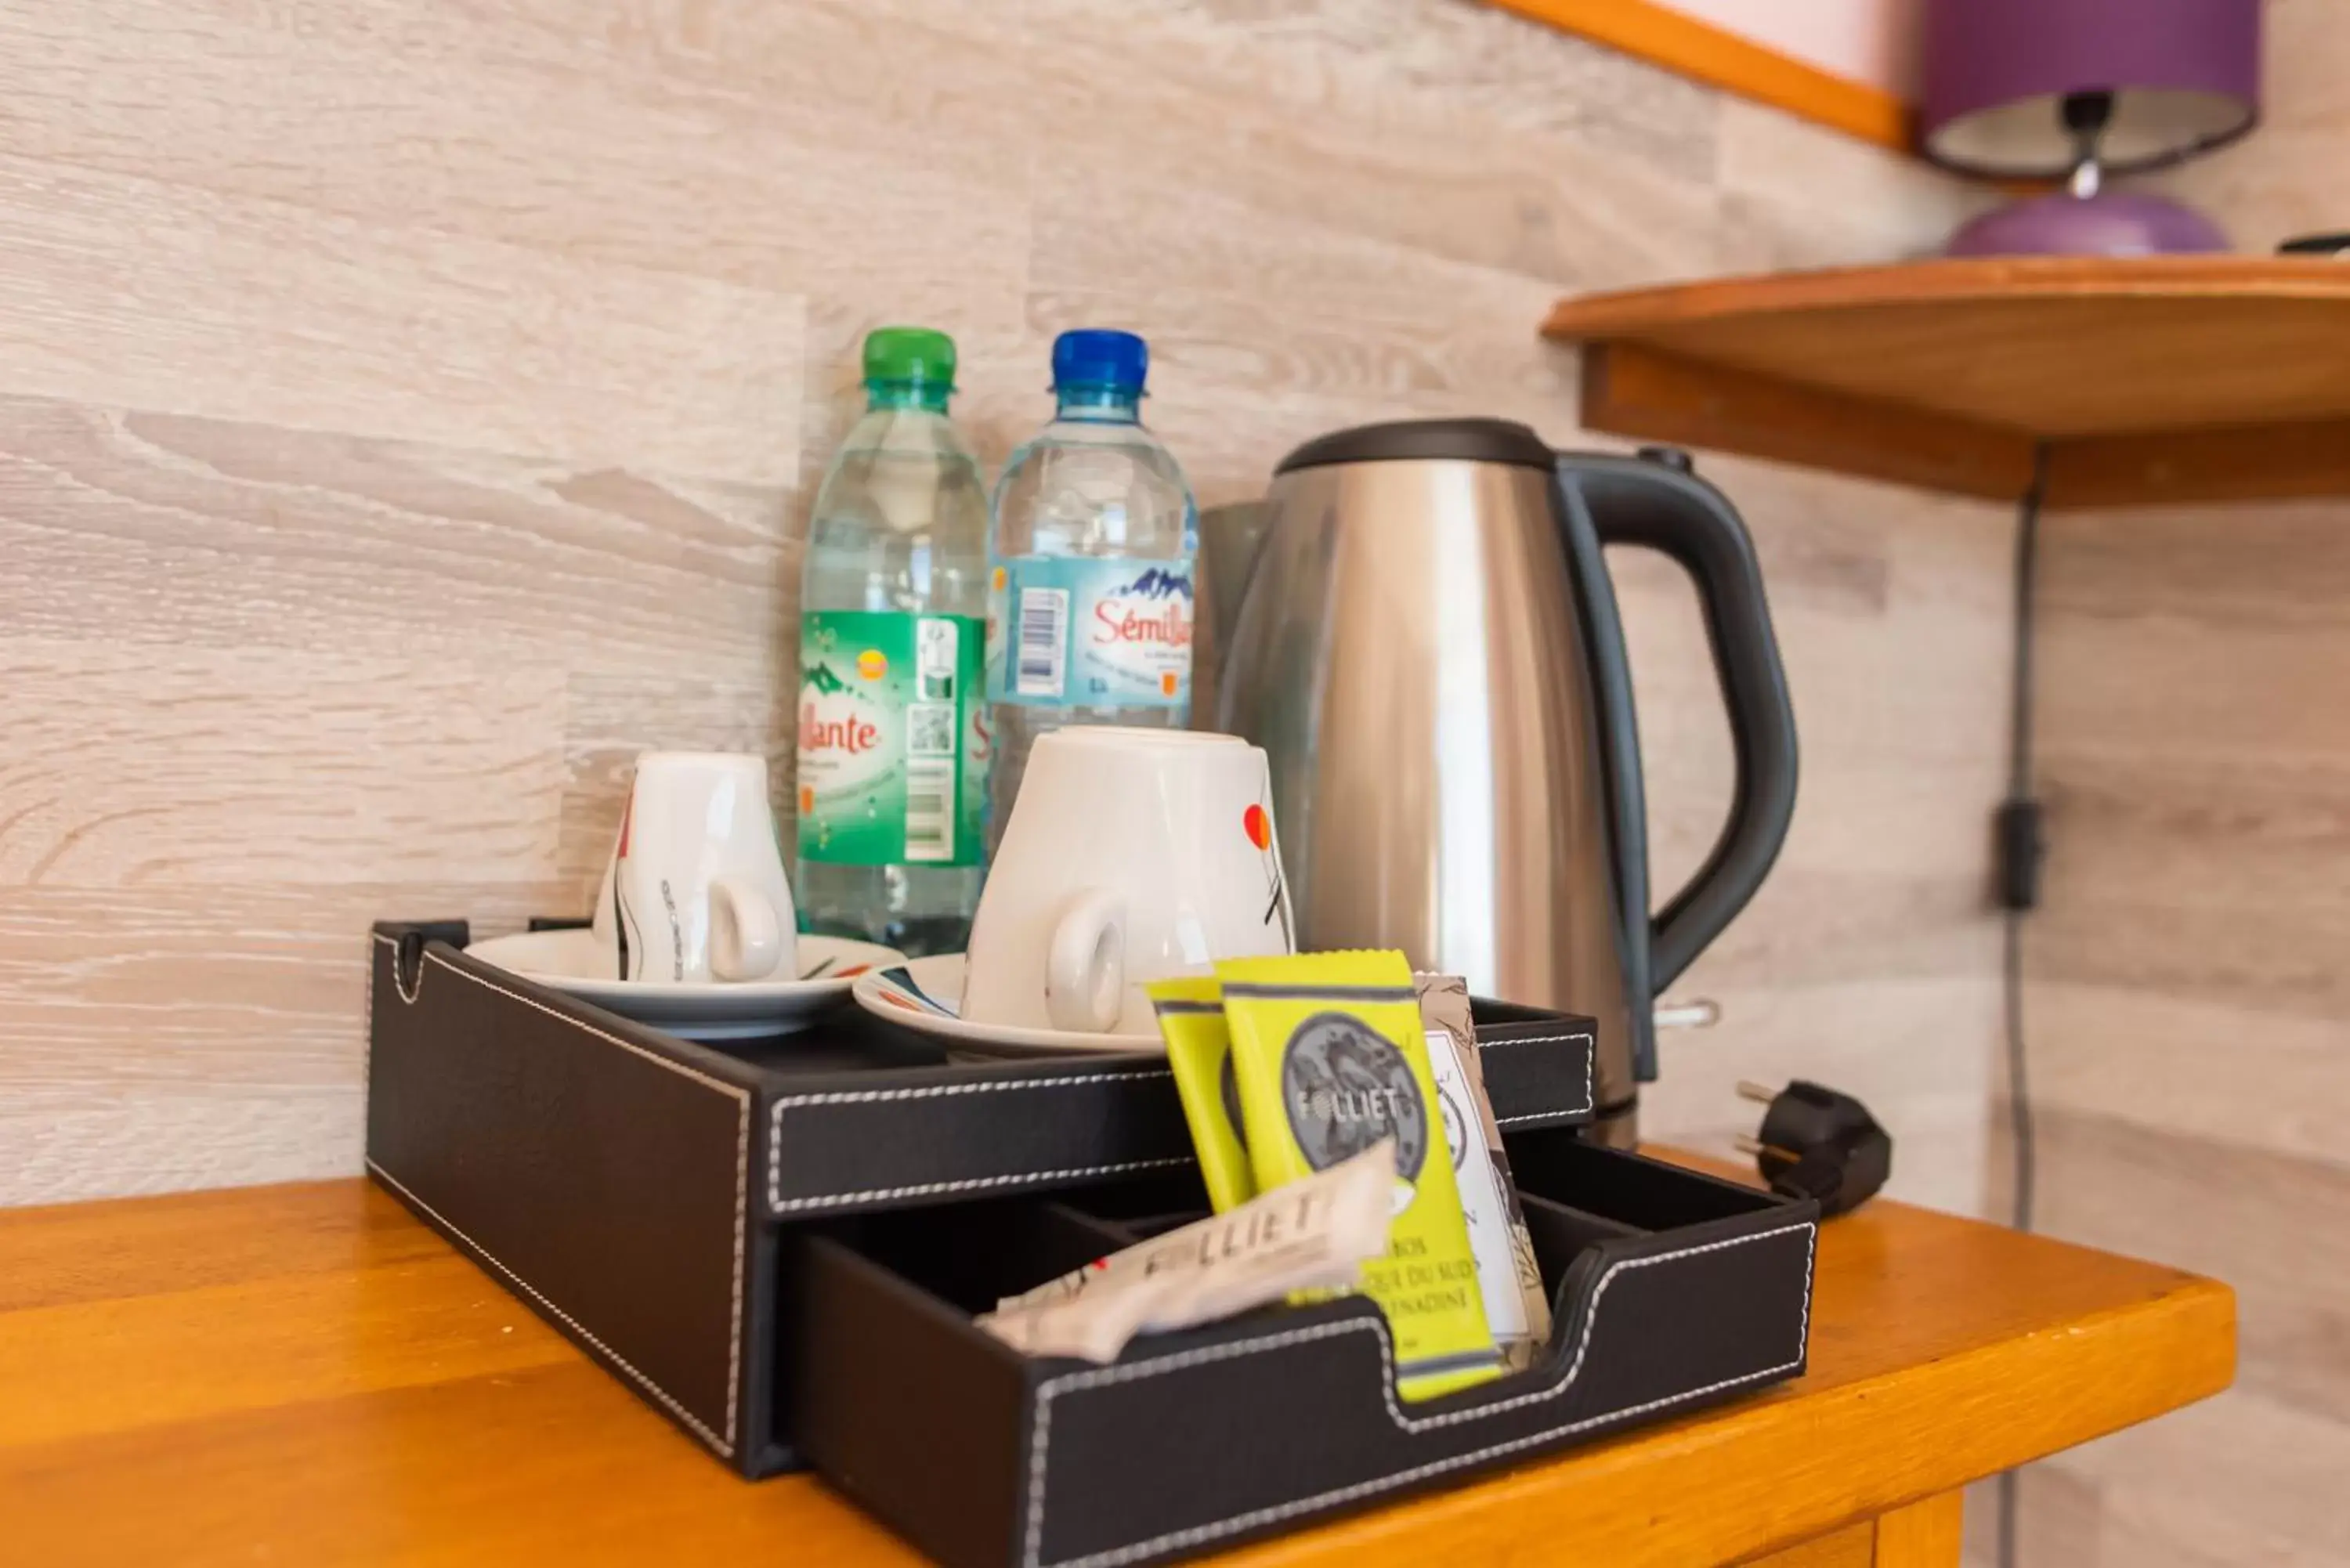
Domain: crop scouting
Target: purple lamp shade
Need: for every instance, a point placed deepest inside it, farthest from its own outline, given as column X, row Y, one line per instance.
column 2185, row 75
column 2159, row 80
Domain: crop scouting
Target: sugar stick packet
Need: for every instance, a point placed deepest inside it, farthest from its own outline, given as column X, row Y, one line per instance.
column 1329, row 1054
column 1509, row 1278
column 1191, row 1010
column 1313, row 1234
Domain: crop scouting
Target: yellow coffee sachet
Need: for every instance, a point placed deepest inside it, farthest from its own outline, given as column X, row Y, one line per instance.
column 1330, row 1058
column 1190, row 1012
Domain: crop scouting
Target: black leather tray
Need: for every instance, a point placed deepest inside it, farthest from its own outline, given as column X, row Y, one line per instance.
column 639, row 1191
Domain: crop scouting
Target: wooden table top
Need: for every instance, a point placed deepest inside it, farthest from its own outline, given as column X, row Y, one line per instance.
column 305, row 1374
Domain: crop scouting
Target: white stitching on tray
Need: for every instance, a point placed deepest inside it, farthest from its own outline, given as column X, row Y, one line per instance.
column 780, row 1204
column 970, row 1183
column 1584, row 1035
column 1589, row 1047
column 1039, row 1438
column 742, row 1097
column 411, row 987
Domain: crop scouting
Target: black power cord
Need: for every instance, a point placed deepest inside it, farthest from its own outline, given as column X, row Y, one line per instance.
column 2023, row 845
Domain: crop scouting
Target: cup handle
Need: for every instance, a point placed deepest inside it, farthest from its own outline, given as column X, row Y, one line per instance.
column 1085, row 973
column 746, row 938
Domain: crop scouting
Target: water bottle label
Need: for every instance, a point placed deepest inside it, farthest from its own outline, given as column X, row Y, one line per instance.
column 1082, row 631
column 892, row 759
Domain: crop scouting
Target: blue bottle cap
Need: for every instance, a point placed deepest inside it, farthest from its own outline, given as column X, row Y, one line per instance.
column 1097, row 357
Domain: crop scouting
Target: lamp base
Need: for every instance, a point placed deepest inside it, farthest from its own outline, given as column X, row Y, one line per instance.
column 2109, row 223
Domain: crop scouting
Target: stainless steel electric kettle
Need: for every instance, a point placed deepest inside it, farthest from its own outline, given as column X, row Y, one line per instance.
column 1418, row 626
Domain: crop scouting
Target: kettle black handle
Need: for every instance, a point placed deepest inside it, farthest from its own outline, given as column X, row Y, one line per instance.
column 1655, row 503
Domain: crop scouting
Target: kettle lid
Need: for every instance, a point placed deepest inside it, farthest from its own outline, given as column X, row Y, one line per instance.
column 1469, row 440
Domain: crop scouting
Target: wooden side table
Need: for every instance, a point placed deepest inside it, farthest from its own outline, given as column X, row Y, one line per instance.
column 305, row 1374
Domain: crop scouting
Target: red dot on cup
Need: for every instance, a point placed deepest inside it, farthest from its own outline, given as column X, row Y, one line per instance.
column 1258, row 825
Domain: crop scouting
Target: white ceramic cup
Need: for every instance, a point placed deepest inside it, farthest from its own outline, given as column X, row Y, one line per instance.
column 695, row 890
column 1132, row 855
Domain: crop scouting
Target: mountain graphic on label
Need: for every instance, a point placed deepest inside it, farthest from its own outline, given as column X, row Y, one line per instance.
column 1155, row 583
column 823, row 679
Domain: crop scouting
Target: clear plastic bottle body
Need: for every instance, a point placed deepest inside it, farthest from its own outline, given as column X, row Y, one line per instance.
column 899, row 529
column 1094, row 485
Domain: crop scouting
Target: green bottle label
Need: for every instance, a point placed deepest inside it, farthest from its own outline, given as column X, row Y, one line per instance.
column 892, row 759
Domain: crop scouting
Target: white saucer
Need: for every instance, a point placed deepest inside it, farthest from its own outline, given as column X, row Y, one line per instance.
column 573, row 963
column 923, row 993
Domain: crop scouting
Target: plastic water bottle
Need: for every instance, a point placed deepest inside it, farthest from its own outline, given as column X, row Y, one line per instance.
column 1089, row 605
column 893, row 751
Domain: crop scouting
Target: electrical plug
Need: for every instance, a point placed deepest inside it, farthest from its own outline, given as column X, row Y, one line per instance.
column 1815, row 1142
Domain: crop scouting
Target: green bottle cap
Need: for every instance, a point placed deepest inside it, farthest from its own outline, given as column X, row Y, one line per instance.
column 913, row 357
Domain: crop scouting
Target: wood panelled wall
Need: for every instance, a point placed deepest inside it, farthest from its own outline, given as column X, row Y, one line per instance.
column 2190, row 995
column 409, row 410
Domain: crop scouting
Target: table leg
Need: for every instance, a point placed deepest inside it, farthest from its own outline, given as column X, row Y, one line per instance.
column 1855, row 1546
column 1926, row 1534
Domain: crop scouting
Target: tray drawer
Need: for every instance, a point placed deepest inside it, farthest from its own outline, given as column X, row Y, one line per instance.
column 1672, row 1289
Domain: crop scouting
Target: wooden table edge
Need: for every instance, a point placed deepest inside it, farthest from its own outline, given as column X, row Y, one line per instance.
column 1568, row 1497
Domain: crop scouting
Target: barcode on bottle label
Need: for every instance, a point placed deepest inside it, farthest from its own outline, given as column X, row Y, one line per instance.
column 1041, row 656
column 929, row 809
